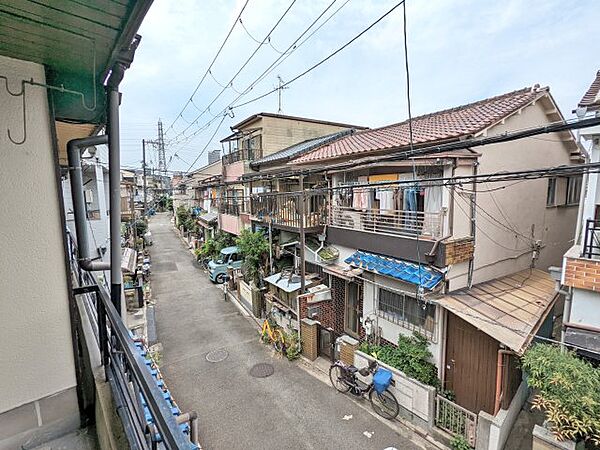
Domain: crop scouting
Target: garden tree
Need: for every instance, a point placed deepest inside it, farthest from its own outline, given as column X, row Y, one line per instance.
column 184, row 218
column 212, row 247
column 254, row 247
column 141, row 227
column 568, row 390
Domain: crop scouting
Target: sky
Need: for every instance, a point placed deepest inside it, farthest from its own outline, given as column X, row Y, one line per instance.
column 459, row 51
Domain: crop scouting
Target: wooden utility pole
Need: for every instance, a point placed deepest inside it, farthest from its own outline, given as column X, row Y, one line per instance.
column 144, row 176
column 302, row 235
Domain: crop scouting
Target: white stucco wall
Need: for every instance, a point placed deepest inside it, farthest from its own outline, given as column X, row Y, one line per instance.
column 585, row 307
column 36, row 351
column 391, row 330
column 499, row 251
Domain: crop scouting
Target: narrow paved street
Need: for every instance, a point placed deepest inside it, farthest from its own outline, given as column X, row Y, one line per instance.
column 289, row 410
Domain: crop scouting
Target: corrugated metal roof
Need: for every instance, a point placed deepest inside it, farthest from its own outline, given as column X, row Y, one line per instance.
column 299, row 149
column 450, row 124
column 422, row 275
column 510, row 309
column 77, row 41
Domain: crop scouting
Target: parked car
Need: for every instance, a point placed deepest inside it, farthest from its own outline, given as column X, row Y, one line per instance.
column 229, row 257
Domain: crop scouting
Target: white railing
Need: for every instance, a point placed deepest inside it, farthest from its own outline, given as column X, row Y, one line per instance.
column 455, row 419
column 394, row 222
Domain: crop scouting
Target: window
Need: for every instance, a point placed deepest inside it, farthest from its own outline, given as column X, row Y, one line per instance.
column 408, row 312
column 352, row 312
column 551, row 195
column 573, row 190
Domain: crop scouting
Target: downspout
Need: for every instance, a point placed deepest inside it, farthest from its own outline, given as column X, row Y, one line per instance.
column 499, row 368
column 74, row 149
column 114, row 183
column 473, row 226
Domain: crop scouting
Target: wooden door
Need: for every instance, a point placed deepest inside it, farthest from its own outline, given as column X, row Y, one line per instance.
column 471, row 360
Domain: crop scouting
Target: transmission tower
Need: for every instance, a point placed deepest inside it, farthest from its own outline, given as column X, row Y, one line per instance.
column 162, row 165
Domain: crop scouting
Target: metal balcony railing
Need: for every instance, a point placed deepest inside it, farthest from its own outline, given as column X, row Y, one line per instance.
column 148, row 420
column 393, row 222
column 231, row 207
column 243, row 154
column 285, row 209
column 591, row 244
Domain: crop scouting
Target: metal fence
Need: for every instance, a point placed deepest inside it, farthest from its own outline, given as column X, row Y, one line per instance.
column 244, row 154
column 147, row 418
column 591, row 245
column 394, row 222
column 456, row 420
column 285, row 210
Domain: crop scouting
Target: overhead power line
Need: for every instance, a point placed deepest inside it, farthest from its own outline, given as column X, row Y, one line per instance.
column 207, row 144
column 324, row 60
column 230, row 82
column 284, row 55
column 190, row 100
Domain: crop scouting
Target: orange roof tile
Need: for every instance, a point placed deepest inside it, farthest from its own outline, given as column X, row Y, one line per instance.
column 444, row 125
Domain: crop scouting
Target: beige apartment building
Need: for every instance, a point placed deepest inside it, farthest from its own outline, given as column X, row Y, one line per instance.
column 256, row 137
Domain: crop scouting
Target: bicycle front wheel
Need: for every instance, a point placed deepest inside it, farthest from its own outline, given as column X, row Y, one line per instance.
column 384, row 404
column 336, row 376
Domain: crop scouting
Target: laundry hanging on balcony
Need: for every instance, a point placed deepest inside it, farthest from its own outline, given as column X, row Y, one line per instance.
column 420, row 275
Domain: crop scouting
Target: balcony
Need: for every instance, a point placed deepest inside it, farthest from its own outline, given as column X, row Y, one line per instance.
column 244, row 154
column 407, row 235
column 120, row 365
column 283, row 211
column 425, row 225
column 591, row 243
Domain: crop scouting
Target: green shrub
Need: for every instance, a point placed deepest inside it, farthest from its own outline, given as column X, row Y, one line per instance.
column 411, row 356
column 459, row 442
column 568, row 392
column 254, row 247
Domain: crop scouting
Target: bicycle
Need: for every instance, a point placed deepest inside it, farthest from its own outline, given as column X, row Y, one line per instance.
column 343, row 378
column 273, row 335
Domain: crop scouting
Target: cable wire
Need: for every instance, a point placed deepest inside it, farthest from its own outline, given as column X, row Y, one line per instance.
column 243, row 65
column 190, row 100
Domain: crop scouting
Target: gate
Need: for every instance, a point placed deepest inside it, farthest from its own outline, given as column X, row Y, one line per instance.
column 327, row 347
column 455, row 419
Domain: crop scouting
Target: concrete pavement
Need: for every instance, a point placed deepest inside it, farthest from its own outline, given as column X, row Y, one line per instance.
column 289, row 410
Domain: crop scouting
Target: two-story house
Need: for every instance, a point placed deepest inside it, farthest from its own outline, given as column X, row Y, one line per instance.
column 581, row 264
column 254, row 138
column 462, row 264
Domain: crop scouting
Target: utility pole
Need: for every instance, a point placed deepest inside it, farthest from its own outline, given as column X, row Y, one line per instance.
column 144, row 176
column 280, row 88
column 302, row 235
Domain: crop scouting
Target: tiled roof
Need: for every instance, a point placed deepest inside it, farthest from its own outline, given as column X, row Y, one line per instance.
column 450, row 124
column 299, row 149
column 591, row 99
column 396, row 268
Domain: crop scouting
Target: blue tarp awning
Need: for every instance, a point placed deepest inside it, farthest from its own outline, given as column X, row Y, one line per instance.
column 396, row 268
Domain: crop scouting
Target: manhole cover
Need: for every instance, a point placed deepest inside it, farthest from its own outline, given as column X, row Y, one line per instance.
column 262, row 370
column 216, row 356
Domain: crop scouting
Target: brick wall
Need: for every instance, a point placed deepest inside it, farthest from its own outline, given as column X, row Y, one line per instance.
column 458, row 250
column 309, row 335
column 325, row 311
column 583, row 273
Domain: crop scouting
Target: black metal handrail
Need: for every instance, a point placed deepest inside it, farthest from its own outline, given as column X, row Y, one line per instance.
column 243, row 154
column 591, row 243
column 127, row 372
